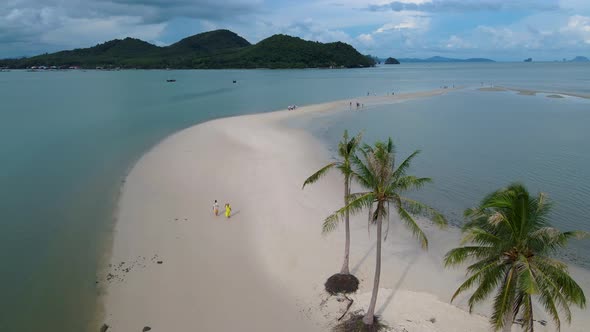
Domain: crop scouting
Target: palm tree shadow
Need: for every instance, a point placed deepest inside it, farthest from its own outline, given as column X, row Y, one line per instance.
column 362, row 260
column 397, row 285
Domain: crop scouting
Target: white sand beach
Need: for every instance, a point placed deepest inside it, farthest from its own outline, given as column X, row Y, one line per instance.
column 177, row 267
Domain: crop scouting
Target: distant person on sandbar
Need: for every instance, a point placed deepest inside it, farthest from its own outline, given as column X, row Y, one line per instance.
column 216, row 208
column 227, row 210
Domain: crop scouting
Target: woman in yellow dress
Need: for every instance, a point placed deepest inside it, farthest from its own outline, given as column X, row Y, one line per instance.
column 227, row 210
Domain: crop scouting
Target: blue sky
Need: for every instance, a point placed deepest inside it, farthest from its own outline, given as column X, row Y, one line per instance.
column 497, row 29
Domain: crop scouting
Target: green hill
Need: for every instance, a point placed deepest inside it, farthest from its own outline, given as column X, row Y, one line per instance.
column 391, row 61
column 209, row 43
column 282, row 51
column 111, row 53
column 210, row 50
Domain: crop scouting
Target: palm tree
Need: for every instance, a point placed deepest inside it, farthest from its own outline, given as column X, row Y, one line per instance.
column 346, row 150
column 510, row 244
column 377, row 173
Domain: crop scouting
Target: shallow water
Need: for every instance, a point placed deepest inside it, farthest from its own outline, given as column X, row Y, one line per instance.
column 475, row 142
column 67, row 140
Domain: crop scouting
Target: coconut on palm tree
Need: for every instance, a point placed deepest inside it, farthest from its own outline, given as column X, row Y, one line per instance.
column 376, row 171
column 510, row 246
column 343, row 281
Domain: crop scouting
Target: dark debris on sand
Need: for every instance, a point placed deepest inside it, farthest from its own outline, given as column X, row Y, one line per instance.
column 341, row 284
column 355, row 324
column 118, row 271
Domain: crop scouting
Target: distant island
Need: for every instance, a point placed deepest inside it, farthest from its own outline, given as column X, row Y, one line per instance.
column 579, row 59
column 443, row 59
column 528, row 60
column 219, row 49
column 391, row 61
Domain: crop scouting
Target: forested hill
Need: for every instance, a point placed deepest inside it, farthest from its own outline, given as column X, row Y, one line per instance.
column 210, row 50
column 282, row 51
column 443, row 59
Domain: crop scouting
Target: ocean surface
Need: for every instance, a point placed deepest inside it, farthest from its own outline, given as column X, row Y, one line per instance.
column 473, row 143
column 67, row 140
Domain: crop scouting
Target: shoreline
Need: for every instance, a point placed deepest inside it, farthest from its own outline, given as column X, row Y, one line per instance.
column 162, row 198
column 108, row 239
column 528, row 92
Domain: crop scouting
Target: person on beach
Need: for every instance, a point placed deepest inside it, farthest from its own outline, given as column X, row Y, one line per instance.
column 227, row 210
column 216, row 208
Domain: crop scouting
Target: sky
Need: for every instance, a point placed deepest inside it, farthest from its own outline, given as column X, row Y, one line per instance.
column 503, row 30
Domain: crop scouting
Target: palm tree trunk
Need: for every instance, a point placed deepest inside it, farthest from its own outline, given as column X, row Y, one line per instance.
column 532, row 319
column 345, row 268
column 508, row 319
column 369, row 317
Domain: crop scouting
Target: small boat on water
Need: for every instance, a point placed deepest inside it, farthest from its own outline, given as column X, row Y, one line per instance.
column 170, row 81
column 235, row 81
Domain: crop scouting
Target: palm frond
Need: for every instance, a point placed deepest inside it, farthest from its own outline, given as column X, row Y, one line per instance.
column 459, row 255
column 480, row 236
column 388, row 222
column 405, row 165
column 353, row 207
column 490, row 272
column 362, row 174
column 422, row 209
column 409, row 182
column 319, row 174
column 527, row 280
column 547, row 300
column 503, row 302
column 511, row 227
column 551, row 298
column 413, row 226
column 527, row 315
column 551, row 239
column 560, row 279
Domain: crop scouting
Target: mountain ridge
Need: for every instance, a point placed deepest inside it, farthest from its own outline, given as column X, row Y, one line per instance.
column 444, row 59
column 579, row 58
column 217, row 49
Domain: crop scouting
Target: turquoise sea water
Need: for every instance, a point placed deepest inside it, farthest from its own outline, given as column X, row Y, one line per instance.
column 474, row 142
column 67, row 140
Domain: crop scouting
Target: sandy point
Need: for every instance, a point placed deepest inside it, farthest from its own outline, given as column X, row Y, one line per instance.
column 175, row 266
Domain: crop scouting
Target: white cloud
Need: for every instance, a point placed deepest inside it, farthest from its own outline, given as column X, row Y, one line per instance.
column 455, row 42
column 96, row 30
column 29, row 27
column 575, row 5
column 561, row 36
column 579, row 27
column 419, row 29
column 366, row 39
column 399, row 26
column 311, row 29
column 447, row 6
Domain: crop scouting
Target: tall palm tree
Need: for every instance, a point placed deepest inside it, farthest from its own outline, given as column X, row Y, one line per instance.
column 385, row 183
column 510, row 247
column 346, row 150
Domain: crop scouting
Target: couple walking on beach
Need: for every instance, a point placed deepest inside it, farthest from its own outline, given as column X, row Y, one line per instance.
column 227, row 209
